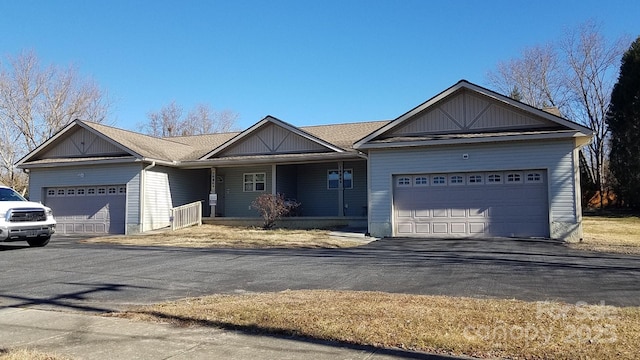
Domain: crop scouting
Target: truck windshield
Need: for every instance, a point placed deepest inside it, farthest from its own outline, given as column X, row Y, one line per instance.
column 10, row 195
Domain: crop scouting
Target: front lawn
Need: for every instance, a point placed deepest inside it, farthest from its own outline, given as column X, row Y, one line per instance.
column 219, row 236
column 485, row 328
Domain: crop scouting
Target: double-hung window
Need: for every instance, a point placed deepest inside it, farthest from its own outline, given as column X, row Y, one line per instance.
column 255, row 182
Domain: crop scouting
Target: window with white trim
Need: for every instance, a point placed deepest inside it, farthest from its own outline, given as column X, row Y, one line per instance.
column 71, row 192
column 474, row 179
column 254, row 182
column 122, row 190
column 421, row 181
column 438, row 180
column 494, row 179
column 333, row 179
column 534, row 177
column 51, row 192
column 60, row 192
column 456, row 180
column 91, row 191
column 80, row 191
column 102, row 191
column 514, row 178
column 403, row 181
column 112, row 191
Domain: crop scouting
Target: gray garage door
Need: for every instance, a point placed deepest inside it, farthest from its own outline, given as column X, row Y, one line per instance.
column 88, row 209
column 482, row 204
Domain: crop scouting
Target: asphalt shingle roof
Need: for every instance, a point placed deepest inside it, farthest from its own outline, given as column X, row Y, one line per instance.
column 190, row 148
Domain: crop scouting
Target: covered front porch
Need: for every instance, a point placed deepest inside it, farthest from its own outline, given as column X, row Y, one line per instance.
column 325, row 190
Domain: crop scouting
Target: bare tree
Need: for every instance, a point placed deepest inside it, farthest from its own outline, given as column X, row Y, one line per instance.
column 592, row 66
column 202, row 119
column 575, row 75
column 164, row 122
column 536, row 77
column 35, row 102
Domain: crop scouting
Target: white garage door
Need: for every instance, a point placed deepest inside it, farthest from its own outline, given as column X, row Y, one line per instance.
column 88, row 209
column 482, row 204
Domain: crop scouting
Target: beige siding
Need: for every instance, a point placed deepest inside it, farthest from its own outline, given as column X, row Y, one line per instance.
column 83, row 143
column 467, row 111
column 273, row 139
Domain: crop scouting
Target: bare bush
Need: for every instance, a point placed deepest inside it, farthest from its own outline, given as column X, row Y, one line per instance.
column 272, row 207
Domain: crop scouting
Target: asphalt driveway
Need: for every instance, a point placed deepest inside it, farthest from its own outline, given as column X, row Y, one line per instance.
column 67, row 275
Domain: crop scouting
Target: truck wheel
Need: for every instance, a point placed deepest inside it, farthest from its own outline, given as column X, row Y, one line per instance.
column 39, row 242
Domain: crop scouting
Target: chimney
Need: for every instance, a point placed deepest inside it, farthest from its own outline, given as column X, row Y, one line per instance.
column 552, row 110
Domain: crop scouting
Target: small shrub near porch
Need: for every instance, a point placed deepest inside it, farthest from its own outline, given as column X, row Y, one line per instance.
column 273, row 207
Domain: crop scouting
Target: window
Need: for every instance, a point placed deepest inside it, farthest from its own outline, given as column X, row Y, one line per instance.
column 494, row 179
column 254, row 182
column 456, row 180
column 333, row 179
column 102, row 191
column 80, row 192
column 60, row 192
column 404, row 181
column 475, row 179
column 112, row 191
column 421, row 181
column 513, row 178
column 71, row 192
column 439, row 180
column 91, row 191
column 122, row 190
column 51, row 192
column 534, row 177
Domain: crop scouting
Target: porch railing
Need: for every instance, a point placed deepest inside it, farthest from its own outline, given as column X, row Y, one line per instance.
column 186, row 215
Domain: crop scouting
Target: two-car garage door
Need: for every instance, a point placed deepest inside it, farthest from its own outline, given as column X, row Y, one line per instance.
column 88, row 209
column 479, row 204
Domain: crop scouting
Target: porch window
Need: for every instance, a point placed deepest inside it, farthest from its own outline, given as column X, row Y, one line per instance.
column 254, row 182
column 333, row 179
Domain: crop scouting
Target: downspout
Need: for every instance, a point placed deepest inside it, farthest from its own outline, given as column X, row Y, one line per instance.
column 143, row 193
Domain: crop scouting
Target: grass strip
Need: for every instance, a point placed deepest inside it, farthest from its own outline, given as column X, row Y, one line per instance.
column 220, row 236
column 484, row 328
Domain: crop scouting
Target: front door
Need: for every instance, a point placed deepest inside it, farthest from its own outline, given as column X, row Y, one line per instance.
column 221, row 191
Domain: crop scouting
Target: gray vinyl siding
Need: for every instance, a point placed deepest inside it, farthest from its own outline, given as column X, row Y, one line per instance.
column 187, row 186
column 355, row 200
column 237, row 201
column 554, row 156
column 127, row 174
column 313, row 195
column 287, row 181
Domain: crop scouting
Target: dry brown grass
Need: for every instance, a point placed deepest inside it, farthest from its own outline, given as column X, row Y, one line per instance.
column 438, row 324
column 611, row 234
column 25, row 354
column 218, row 236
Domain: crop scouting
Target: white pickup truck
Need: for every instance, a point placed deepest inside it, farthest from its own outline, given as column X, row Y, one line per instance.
column 23, row 220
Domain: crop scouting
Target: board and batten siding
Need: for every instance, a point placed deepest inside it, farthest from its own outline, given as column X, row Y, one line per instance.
column 555, row 156
column 121, row 174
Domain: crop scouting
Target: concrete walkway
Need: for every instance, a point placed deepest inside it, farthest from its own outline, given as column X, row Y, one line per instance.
column 84, row 336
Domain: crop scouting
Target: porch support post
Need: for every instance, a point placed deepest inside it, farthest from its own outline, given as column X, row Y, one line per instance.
column 340, row 189
column 274, row 187
column 212, row 192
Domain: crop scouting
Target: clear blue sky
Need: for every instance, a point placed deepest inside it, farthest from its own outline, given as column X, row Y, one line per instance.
column 305, row 62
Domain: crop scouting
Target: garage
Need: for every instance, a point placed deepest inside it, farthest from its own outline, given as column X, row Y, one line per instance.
column 478, row 204
column 88, row 209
